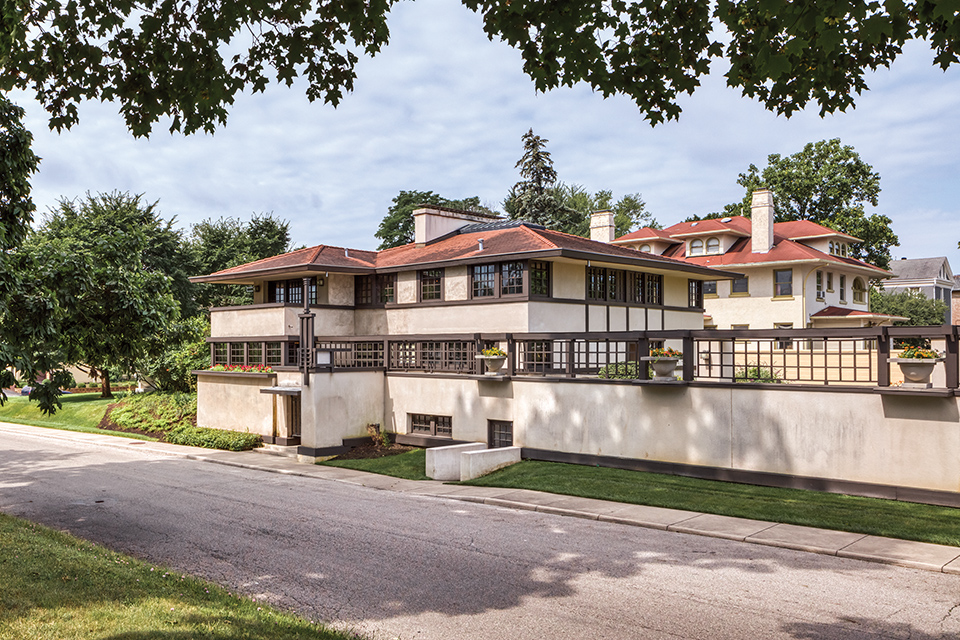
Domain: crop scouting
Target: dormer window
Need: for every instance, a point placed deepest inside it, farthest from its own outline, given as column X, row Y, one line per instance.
column 713, row 246
column 843, row 250
column 644, row 248
column 831, row 247
column 696, row 247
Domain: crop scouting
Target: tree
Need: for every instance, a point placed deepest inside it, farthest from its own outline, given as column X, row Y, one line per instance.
column 397, row 227
column 219, row 244
column 189, row 60
column 921, row 310
column 120, row 303
column 827, row 183
column 534, row 198
column 629, row 212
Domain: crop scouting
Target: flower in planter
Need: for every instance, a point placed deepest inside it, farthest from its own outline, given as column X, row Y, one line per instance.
column 919, row 353
column 494, row 352
column 242, row 368
column 668, row 352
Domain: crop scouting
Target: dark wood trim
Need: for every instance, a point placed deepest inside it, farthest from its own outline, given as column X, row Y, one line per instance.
column 286, row 441
column 744, row 476
column 233, row 374
column 253, row 339
column 443, row 286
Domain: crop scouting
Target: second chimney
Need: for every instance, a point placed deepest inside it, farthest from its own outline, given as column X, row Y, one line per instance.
column 761, row 220
column 602, row 228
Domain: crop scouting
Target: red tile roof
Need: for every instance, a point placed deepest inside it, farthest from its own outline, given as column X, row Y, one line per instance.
column 840, row 312
column 646, row 233
column 498, row 243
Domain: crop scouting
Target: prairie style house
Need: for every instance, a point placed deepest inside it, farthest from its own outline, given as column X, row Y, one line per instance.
column 423, row 305
column 794, row 274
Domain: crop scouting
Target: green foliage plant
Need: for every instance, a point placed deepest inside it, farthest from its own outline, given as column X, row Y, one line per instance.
column 629, row 370
column 213, row 438
column 397, row 227
column 920, row 353
column 757, row 373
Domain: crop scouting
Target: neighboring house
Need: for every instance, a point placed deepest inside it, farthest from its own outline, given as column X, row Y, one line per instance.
column 794, row 274
column 930, row 276
column 465, row 274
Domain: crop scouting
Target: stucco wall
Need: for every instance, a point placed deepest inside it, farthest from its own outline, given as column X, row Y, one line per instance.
column 340, row 289
column 235, row 403
column 407, row 287
column 275, row 321
column 340, row 405
column 847, row 436
column 555, row 316
column 569, row 280
column 456, row 285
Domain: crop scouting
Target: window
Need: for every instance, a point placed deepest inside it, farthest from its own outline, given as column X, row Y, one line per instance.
column 829, row 281
column 293, row 354
column 653, row 288
column 511, row 278
column 843, row 288
column 499, row 433
column 616, row 285
column 255, row 353
column 819, row 285
column 741, row 285
column 696, row 247
column 695, row 294
column 277, row 292
column 387, row 285
column 373, row 289
column 859, row 291
column 783, row 343
column 539, row 278
column 831, row 247
column 236, row 353
column 274, row 354
column 783, row 282
column 431, row 284
column 843, row 250
column 363, row 289
column 295, row 291
column 709, row 287
column 645, row 248
column 484, row 276
column 220, row 353
column 713, row 245
column 431, row 425
column 596, row 283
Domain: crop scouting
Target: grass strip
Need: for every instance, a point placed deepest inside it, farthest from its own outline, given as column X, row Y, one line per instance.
column 410, row 465
column 57, row 586
column 80, row 412
column 889, row 518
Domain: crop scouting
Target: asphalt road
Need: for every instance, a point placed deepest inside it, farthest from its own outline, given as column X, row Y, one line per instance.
column 403, row 566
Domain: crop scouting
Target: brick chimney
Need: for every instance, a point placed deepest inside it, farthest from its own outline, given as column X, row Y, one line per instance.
column 602, row 228
column 761, row 220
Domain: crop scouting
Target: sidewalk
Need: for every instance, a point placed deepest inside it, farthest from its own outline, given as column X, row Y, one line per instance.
column 916, row 555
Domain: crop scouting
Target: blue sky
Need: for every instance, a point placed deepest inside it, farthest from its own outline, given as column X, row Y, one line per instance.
column 442, row 108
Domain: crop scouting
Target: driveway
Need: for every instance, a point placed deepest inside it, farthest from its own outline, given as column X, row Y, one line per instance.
column 396, row 565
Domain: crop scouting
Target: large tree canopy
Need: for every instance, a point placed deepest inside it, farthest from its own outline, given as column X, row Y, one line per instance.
column 397, row 227
column 827, row 183
column 188, row 59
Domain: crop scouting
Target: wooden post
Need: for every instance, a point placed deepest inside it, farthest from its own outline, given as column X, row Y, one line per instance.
column 952, row 360
column 643, row 350
column 689, row 358
column 883, row 352
column 511, row 354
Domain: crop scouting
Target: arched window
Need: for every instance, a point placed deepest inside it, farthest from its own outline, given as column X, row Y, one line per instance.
column 859, row 291
column 645, row 248
column 831, row 247
column 713, row 245
column 696, row 247
column 843, row 250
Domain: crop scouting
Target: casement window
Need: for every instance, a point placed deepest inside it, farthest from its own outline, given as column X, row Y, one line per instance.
column 606, row 285
column 695, row 294
column 539, row 279
column 596, row 284
column 237, row 353
column 431, row 284
column 783, row 282
column 741, row 285
column 696, row 247
column 859, row 291
column 713, row 246
column 291, row 291
column 429, row 425
column 843, row 288
column 484, row 280
column 511, row 278
column 499, row 433
column 374, row 289
column 709, row 287
column 293, row 354
column 819, row 285
column 254, row 353
column 616, row 285
column 221, row 353
column 274, row 354
column 653, row 288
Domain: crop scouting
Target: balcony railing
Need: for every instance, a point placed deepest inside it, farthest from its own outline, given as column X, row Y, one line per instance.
column 824, row 357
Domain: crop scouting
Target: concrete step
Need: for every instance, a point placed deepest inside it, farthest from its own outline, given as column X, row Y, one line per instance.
column 278, row 450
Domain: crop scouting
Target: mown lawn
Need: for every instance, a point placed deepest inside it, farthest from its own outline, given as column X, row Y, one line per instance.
column 904, row 520
column 80, row 412
column 53, row 585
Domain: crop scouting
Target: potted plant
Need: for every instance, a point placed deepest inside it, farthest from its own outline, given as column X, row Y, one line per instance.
column 493, row 360
column 916, row 364
column 664, row 363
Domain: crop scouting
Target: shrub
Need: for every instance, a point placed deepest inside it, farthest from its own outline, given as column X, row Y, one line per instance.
column 213, row 438
column 155, row 412
column 187, row 351
column 757, row 373
column 629, row 370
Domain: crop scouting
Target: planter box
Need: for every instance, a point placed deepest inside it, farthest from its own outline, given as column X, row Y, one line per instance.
column 664, row 367
column 492, row 364
column 916, row 371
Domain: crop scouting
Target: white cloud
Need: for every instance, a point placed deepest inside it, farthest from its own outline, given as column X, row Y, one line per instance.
column 442, row 108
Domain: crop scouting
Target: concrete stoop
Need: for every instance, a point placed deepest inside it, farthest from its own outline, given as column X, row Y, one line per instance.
column 277, row 450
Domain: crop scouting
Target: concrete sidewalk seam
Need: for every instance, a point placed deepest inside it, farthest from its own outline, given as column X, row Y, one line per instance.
column 99, row 440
